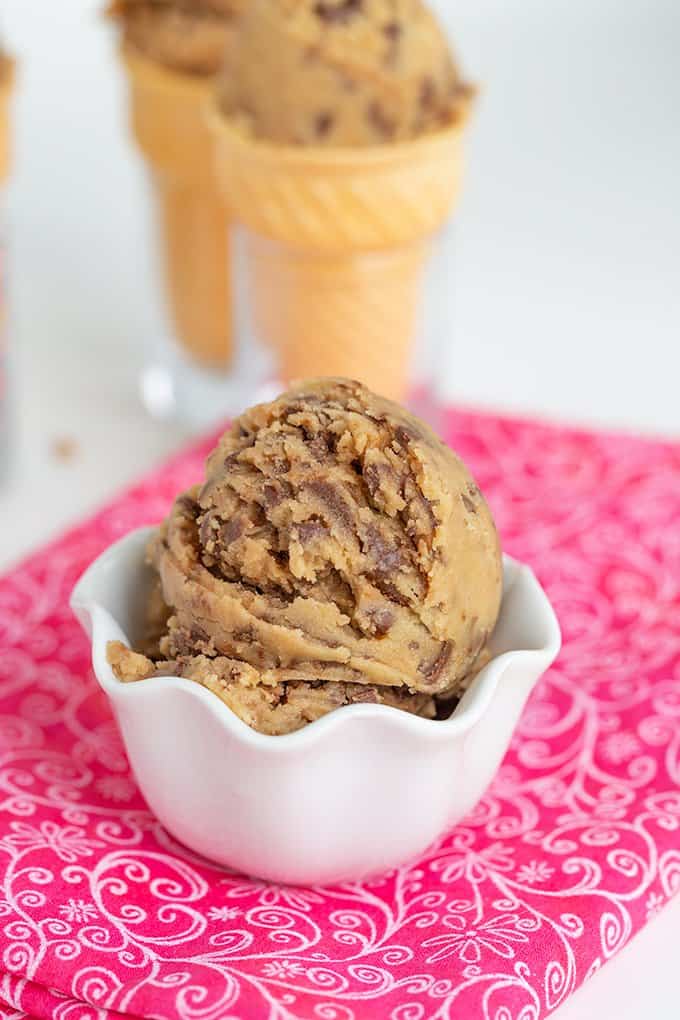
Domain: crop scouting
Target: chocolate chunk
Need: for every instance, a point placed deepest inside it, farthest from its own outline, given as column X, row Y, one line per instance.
column 323, row 124
column 366, row 696
column 393, row 32
column 382, row 621
column 272, row 496
column 372, row 478
column 319, row 447
column 197, row 635
column 434, row 670
column 428, row 94
column 381, row 121
column 468, row 504
column 331, row 498
column 308, row 531
column 186, row 642
column 164, row 669
column 381, row 476
column 232, row 530
column 187, row 505
column 207, row 532
column 386, row 556
column 388, row 589
column 338, row 13
column 420, row 520
column 280, row 466
column 347, row 84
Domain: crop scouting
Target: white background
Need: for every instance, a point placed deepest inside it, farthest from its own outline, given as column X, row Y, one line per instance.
column 567, row 287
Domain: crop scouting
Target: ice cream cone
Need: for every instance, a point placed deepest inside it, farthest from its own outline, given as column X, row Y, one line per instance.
column 338, row 240
column 6, row 87
column 168, row 121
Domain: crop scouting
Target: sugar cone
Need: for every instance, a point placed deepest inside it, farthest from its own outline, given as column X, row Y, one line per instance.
column 168, row 121
column 6, row 88
column 337, row 244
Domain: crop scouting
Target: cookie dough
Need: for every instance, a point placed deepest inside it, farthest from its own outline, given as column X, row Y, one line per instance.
column 185, row 35
column 336, row 544
column 340, row 72
column 268, row 705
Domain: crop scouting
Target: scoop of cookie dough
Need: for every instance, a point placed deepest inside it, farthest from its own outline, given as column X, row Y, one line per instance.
column 185, row 35
column 334, row 530
column 340, row 72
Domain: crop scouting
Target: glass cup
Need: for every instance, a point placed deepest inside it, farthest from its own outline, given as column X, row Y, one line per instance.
column 197, row 371
column 6, row 89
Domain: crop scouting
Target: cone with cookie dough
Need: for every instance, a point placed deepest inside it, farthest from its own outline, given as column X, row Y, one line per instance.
column 6, row 88
column 338, row 128
column 337, row 553
column 171, row 51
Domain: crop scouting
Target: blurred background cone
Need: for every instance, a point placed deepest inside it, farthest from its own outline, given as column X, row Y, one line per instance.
column 337, row 241
column 6, row 88
column 168, row 120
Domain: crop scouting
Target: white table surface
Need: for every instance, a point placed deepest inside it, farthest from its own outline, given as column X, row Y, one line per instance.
column 567, row 290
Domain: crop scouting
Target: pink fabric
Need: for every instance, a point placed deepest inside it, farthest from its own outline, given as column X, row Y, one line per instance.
column 575, row 846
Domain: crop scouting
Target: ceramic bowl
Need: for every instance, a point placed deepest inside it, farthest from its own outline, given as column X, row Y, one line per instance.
column 361, row 790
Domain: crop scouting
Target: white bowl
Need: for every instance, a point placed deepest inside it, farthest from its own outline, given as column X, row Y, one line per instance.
column 361, row 790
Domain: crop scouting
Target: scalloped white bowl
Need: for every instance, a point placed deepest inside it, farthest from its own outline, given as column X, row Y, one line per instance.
column 359, row 791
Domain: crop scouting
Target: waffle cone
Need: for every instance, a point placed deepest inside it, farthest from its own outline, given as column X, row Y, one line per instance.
column 6, row 89
column 168, row 122
column 338, row 244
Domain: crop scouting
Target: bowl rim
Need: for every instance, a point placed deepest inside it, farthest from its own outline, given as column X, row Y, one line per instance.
column 102, row 627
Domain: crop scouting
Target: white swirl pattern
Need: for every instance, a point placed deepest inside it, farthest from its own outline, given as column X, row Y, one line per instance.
column 575, row 846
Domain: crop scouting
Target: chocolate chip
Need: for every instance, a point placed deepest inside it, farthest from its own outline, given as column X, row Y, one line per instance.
column 468, row 504
column 188, row 505
column 323, row 124
column 330, row 496
column 372, row 478
column 393, row 32
column 388, row 589
column 381, row 121
column 382, row 621
column 428, row 94
column 319, row 447
column 386, row 556
column 207, row 533
column 272, row 496
column 406, row 434
column 381, row 476
column 308, row 531
column 197, row 635
column 338, row 13
column 232, row 530
column 280, row 466
column 434, row 670
column 366, row 696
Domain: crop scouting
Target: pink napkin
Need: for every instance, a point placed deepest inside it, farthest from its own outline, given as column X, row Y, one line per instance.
column 573, row 849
